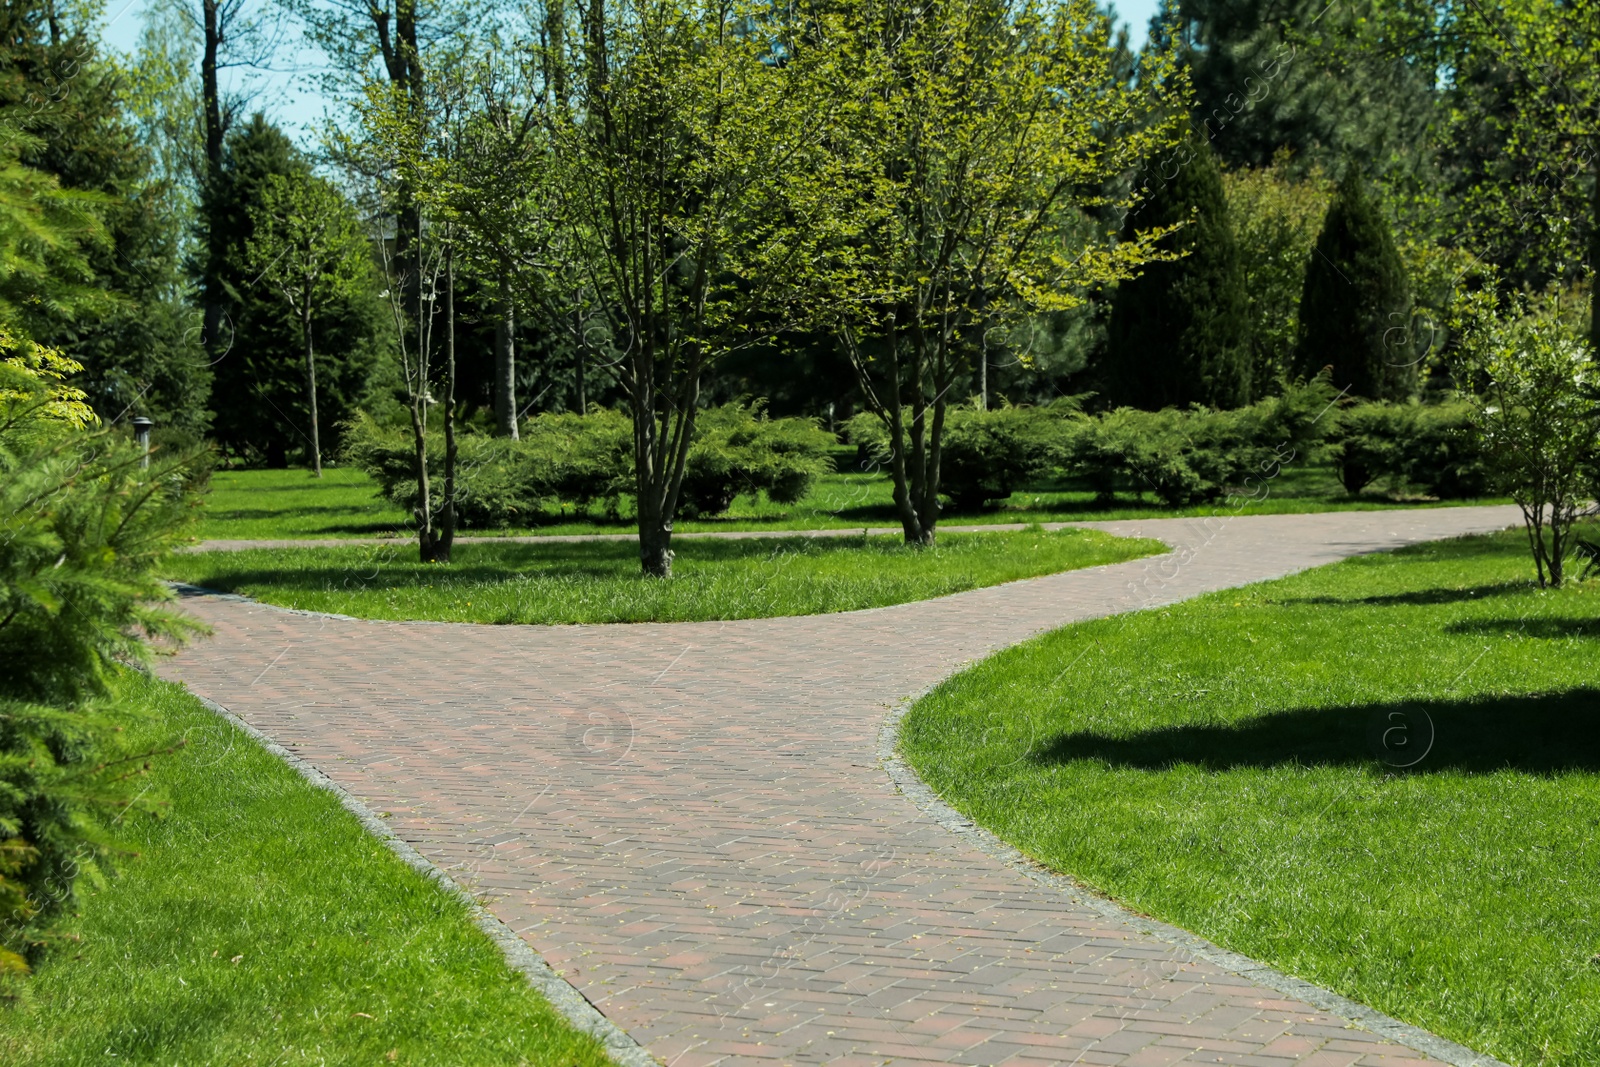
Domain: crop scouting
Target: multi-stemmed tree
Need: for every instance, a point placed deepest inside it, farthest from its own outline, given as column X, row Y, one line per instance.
column 968, row 154
column 674, row 166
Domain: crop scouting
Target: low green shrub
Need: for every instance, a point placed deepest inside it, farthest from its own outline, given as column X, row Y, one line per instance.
column 738, row 449
column 1429, row 448
column 1368, row 442
column 1446, row 458
column 577, row 460
column 569, row 458
column 83, row 528
column 1198, row 455
column 985, row 455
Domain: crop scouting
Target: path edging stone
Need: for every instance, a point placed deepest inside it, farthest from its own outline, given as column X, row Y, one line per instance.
column 567, row 1000
column 913, row 788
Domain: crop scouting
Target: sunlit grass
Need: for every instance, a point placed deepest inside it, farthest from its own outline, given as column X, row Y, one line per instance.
column 592, row 582
column 260, row 924
column 1229, row 765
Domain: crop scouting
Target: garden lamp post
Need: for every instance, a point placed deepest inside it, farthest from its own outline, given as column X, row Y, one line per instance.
column 141, row 434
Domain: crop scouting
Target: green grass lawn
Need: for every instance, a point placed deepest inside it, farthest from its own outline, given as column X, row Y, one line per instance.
column 599, row 581
column 1216, row 764
column 259, row 924
column 266, row 504
column 262, row 504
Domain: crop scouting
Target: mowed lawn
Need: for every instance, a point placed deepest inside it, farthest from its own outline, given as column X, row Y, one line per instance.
column 1382, row 776
column 600, row 581
column 345, row 503
column 260, row 924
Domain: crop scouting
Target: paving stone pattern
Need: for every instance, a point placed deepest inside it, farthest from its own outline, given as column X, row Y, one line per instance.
column 689, row 821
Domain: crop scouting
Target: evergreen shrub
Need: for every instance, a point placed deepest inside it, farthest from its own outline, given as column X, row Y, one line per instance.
column 574, row 460
column 83, row 528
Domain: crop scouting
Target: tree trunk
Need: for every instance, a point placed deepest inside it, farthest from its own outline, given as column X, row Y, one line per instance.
column 1594, row 260
column 447, row 513
column 426, row 545
column 505, row 365
column 311, row 391
column 211, row 101
column 655, row 542
column 659, row 458
column 583, row 360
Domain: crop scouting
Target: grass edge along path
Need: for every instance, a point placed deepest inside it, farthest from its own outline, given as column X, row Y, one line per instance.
column 1210, row 764
column 593, row 582
column 933, row 806
column 205, row 947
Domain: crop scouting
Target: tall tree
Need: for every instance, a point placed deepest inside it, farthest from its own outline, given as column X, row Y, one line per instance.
column 673, row 163
column 307, row 244
column 1179, row 331
column 415, row 157
column 1523, row 138
column 1276, row 217
column 130, row 327
column 1355, row 309
column 1328, row 81
column 260, row 399
column 968, row 157
column 233, row 34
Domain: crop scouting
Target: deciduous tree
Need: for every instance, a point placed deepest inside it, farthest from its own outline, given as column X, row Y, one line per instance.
column 967, row 152
column 674, row 161
column 308, row 245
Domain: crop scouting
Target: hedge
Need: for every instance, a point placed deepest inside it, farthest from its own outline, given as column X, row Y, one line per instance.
column 576, row 460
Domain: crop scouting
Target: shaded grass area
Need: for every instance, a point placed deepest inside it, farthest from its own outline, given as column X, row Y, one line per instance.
column 262, row 504
column 268, row 504
column 1382, row 776
column 259, row 924
column 599, row 581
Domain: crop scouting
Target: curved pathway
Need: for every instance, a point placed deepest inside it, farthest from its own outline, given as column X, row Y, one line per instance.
column 691, row 822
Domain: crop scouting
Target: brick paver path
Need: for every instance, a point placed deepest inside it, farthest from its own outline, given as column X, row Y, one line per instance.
column 690, row 822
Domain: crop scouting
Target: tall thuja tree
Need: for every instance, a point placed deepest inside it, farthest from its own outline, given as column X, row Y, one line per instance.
column 308, row 245
column 260, row 398
column 1355, row 309
column 967, row 149
column 1179, row 332
column 133, row 330
column 673, row 165
column 1523, row 139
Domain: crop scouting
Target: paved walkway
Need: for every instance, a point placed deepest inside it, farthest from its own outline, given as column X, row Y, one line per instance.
column 690, row 821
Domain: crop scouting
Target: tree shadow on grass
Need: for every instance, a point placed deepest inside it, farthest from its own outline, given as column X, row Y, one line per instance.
column 1538, row 734
column 1420, row 597
column 1551, row 629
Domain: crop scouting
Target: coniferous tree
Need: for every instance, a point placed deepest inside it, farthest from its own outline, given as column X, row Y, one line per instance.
column 128, row 321
column 1355, row 310
column 261, row 403
column 1326, row 81
column 1179, row 332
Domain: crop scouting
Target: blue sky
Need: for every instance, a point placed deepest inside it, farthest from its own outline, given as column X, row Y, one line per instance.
column 289, row 93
